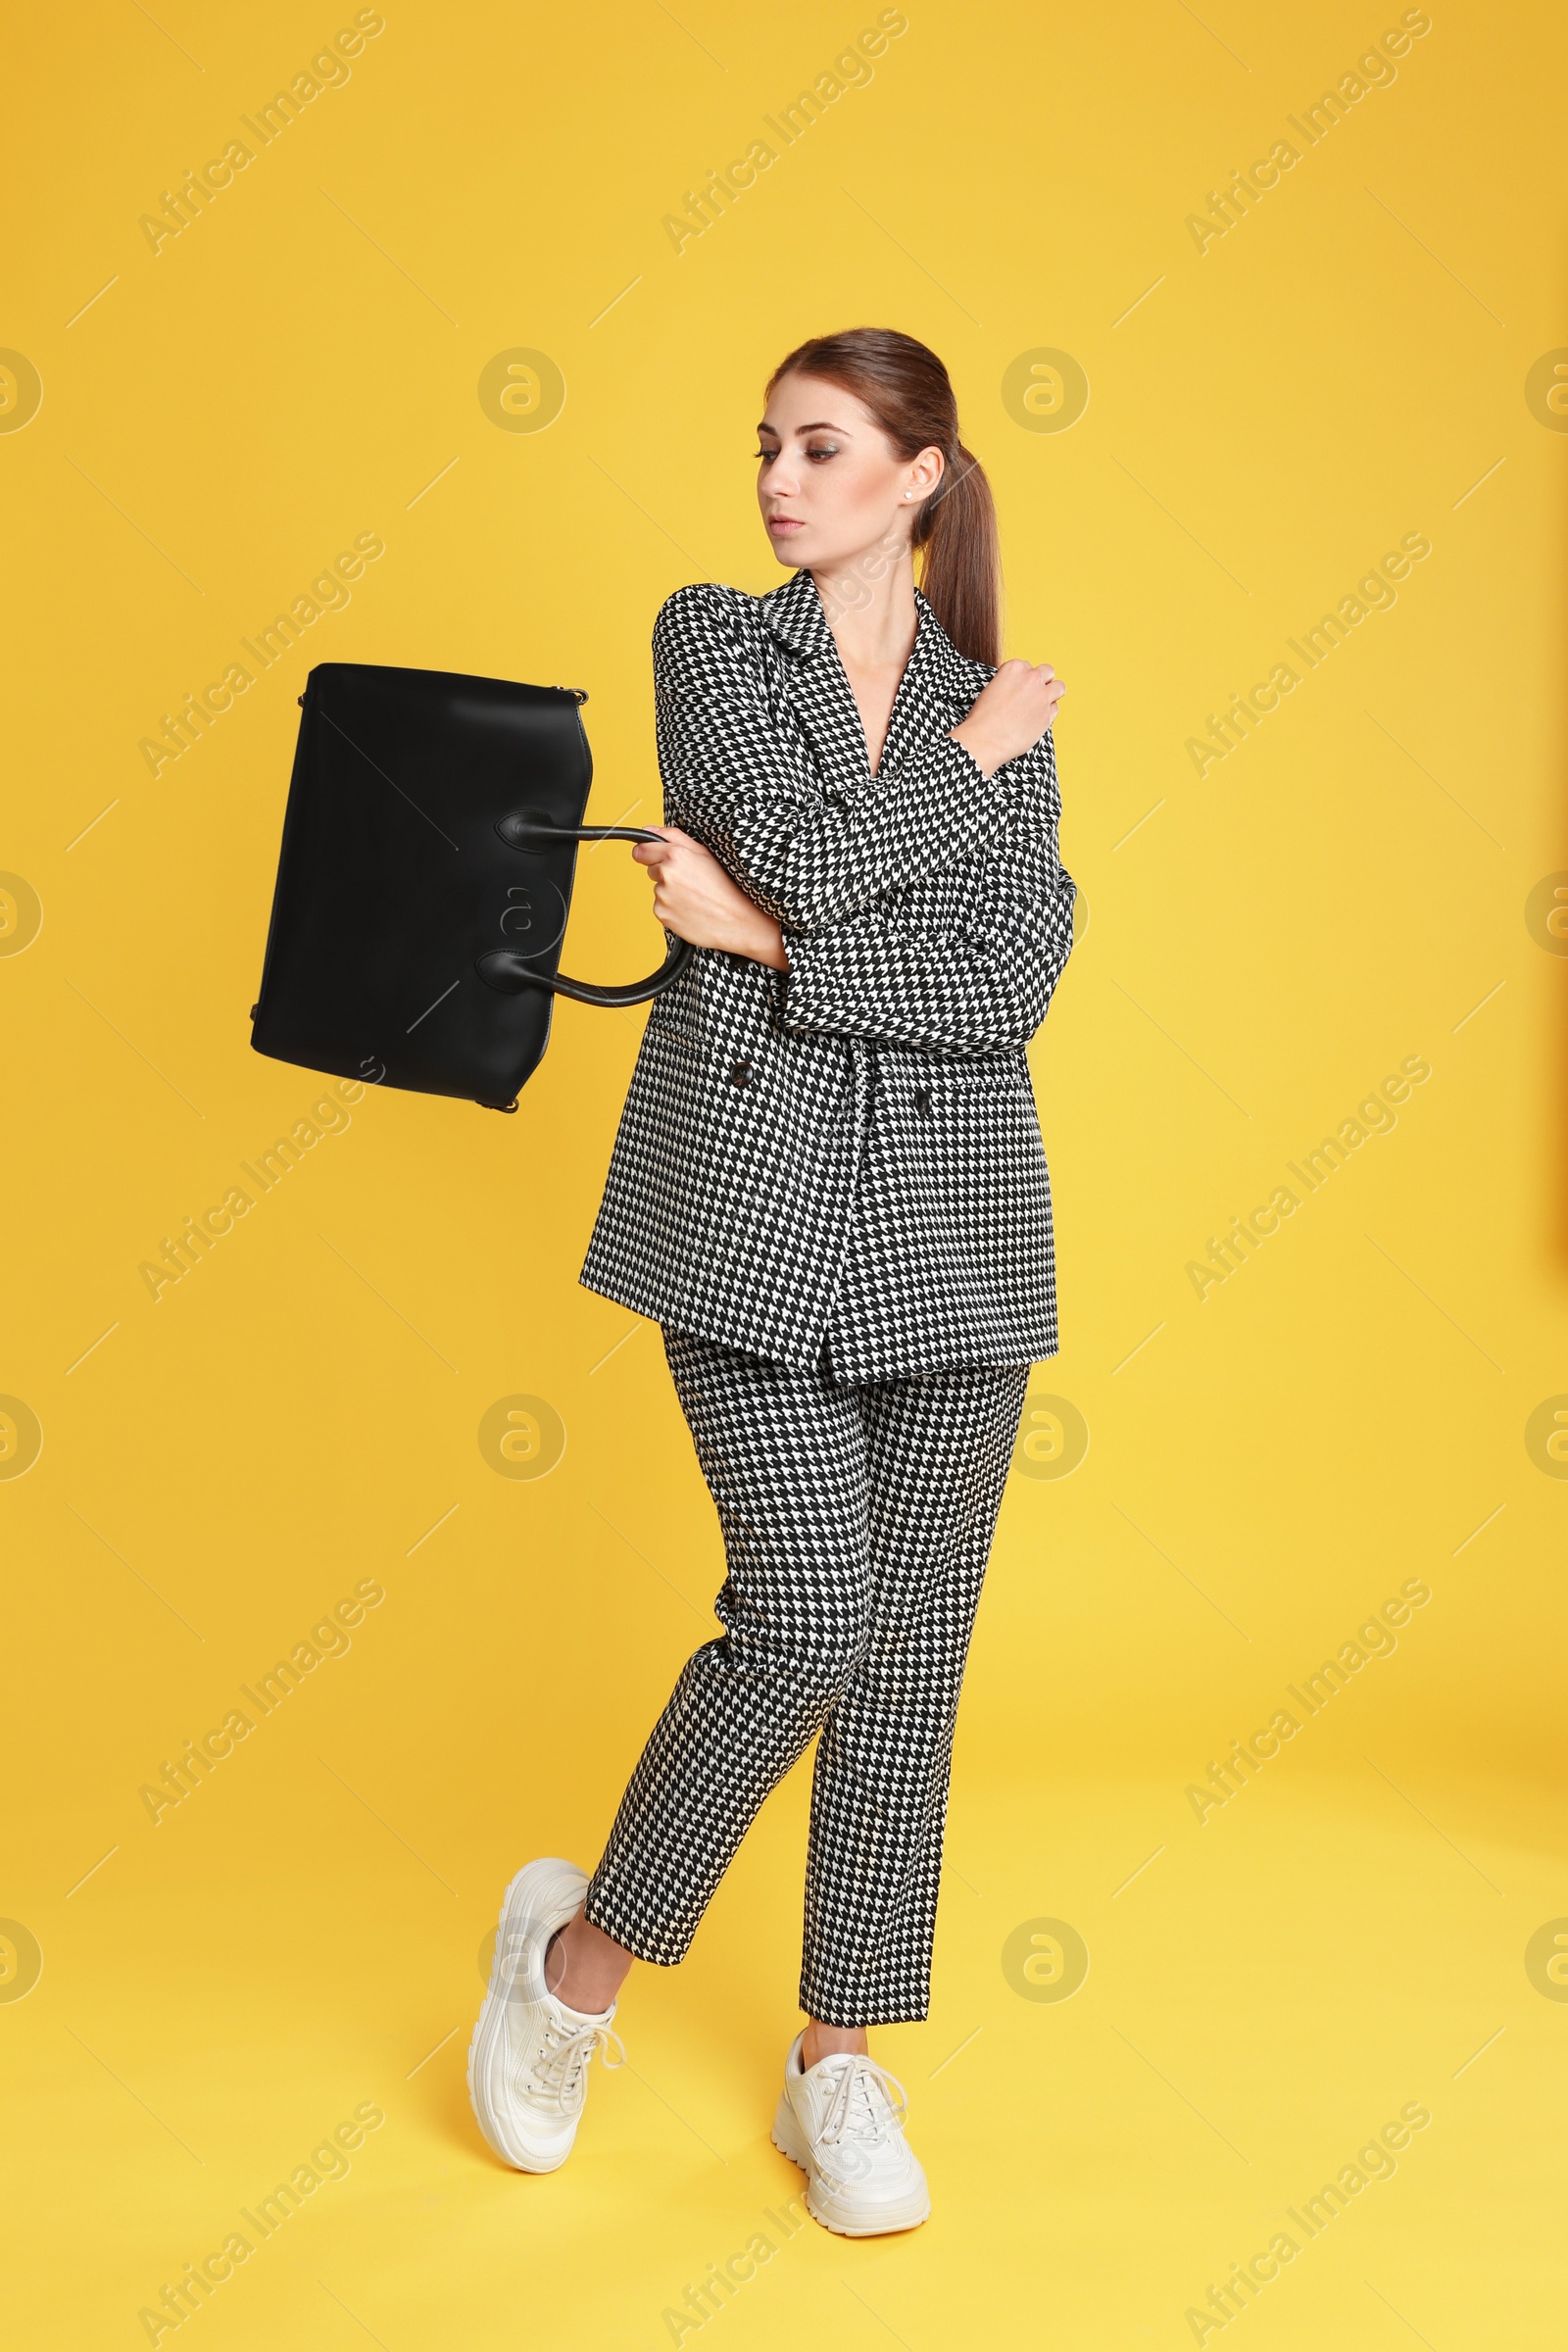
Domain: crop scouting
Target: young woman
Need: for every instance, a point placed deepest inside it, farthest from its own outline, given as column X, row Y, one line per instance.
column 828, row 1187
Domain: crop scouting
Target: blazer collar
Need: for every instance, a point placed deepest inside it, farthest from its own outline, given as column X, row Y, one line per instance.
column 794, row 614
column 938, row 680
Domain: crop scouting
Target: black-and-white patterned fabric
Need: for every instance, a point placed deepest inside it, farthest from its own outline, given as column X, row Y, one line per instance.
column 847, row 1153
column 857, row 1521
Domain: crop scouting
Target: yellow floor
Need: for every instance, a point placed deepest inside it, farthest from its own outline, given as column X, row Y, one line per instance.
column 1270, row 1995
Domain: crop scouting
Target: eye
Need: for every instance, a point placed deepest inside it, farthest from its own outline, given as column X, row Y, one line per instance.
column 766, row 454
column 823, row 450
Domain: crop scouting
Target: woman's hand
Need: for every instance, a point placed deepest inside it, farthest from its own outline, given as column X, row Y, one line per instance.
column 696, row 898
column 1011, row 713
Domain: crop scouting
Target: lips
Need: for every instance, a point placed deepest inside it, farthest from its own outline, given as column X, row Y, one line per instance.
column 785, row 522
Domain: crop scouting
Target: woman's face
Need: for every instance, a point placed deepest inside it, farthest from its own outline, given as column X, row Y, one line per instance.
column 829, row 483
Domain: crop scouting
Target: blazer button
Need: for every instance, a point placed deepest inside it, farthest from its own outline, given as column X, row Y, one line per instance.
column 740, row 1073
column 922, row 1102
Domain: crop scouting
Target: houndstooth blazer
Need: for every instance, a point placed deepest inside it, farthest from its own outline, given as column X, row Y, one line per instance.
column 845, row 1154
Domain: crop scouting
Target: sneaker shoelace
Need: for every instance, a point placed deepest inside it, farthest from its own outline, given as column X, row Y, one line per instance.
column 862, row 2112
column 563, row 2059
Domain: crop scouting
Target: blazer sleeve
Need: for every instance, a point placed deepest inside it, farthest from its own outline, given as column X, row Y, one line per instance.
column 975, row 988
column 734, row 783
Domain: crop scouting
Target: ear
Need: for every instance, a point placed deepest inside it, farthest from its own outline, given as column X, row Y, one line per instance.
column 925, row 472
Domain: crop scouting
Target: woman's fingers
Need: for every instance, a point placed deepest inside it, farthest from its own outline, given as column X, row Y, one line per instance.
column 693, row 894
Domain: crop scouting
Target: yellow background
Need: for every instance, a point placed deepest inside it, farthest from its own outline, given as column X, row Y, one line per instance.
column 1264, row 943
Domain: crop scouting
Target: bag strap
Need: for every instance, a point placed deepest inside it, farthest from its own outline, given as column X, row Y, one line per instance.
column 509, row 974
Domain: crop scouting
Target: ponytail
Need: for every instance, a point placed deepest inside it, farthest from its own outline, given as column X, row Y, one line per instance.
column 961, row 574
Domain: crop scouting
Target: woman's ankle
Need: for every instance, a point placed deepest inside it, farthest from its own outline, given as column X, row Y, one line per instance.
column 831, row 2041
column 584, row 1968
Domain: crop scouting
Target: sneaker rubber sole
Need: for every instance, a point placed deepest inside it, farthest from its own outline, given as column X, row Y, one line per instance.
column 789, row 2141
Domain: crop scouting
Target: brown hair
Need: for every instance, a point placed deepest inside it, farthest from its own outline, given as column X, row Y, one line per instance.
column 907, row 391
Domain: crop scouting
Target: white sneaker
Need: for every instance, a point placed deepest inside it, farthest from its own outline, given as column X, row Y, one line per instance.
column 528, row 2058
column 838, row 2123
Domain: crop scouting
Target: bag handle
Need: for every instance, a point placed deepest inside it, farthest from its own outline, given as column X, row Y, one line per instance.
column 509, row 974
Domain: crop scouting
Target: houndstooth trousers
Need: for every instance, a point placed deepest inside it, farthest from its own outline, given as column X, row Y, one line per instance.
column 857, row 1518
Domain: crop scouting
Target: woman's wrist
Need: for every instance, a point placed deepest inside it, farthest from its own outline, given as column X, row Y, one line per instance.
column 761, row 939
column 770, row 946
column 982, row 749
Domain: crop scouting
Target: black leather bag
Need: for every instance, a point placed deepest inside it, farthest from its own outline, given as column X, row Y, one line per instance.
column 424, row 880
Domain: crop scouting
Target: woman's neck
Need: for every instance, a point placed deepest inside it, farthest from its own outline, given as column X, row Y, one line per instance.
column 876, row 631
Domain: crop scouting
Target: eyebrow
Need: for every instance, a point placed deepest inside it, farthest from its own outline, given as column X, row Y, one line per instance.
column 822, row 426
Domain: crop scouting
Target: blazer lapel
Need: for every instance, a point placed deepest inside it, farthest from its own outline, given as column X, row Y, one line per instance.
column 826, row 709
column 933, row 692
